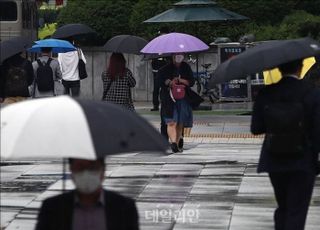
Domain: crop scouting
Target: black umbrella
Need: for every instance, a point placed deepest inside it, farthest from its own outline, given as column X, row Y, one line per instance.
column 13, row 46
column 125, row 44
column 67, row 128
column 196, row 11
column 267, row 55
column 71, row 30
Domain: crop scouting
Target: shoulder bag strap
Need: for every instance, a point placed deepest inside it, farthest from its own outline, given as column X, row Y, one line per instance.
column 49, row 61
column 107, row 88
column 79, row 53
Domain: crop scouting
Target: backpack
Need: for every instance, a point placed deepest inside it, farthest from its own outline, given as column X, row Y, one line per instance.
column 44, row 79
column 286, row 129
column 16, row 83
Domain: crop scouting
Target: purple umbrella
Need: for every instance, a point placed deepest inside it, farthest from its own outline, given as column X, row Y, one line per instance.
column 174, row 43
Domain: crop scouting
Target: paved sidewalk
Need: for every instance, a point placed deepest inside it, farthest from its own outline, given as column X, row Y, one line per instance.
column 213, row 184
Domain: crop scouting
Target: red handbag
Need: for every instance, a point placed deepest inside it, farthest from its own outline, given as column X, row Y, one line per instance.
column 178, row 91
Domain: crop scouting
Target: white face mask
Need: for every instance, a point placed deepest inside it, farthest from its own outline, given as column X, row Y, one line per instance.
column 87, row 181
column 178, row 58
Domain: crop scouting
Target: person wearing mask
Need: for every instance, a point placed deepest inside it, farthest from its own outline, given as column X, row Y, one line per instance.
column 47, row 74
column 117, row 82
column 16, row 78
column 89, row 206
column 70, row 74
column 177, row 112
column 288, row 114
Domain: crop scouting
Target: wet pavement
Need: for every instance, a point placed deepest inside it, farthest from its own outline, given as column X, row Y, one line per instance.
column 213, row 184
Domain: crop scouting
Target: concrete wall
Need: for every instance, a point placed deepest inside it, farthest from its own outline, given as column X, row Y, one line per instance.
column 97, row 58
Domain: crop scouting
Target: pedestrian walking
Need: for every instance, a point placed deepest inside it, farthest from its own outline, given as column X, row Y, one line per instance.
column 69, row 64
column 47, row 74
column 175, row 79
column 117, row 82
column 89, row 206
column 288, row 114
column 156, row 63
column 17, row 77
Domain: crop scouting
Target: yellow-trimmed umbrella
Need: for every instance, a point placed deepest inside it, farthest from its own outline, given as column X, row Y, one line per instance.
column 273, row 76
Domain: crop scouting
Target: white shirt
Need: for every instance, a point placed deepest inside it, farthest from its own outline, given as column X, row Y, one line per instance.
column 69, row 65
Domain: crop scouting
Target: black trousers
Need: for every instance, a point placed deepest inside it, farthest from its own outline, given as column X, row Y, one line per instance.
column 71, row 88
column 156, row 90
column 163, row 125
column 293, row 191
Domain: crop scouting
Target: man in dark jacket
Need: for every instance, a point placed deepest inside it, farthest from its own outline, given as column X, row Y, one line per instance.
column 156, row 63
column 292, row 173
column 89, row 206
column 16, row 76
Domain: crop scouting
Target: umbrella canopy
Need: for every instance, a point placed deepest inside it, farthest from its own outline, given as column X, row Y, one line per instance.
column 196, row 11
column 265, row 56
column 65, row 127
column 174, row 43
column 274, row 75
column 125, row 44
column 71, row 30
column 13, row 46
column 58, row 46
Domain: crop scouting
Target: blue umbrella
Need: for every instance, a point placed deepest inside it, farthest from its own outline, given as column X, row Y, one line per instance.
column 58, row 46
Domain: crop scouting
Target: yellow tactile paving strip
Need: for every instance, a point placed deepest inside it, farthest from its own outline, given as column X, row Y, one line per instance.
column 223, row 135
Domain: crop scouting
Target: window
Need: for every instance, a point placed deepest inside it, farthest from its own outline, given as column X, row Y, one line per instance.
column 8, row 10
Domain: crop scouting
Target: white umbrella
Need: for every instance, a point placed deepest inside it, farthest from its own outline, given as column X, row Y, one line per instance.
column 62, row 127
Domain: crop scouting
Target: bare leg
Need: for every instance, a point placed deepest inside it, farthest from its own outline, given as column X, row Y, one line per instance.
column 172, row 131
column 179, row 129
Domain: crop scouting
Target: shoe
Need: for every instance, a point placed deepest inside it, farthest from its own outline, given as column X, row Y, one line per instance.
column 174, row 147
column 180, row 143
column 154, row 109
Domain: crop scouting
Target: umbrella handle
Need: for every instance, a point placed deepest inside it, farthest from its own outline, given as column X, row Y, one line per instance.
column 64, row 174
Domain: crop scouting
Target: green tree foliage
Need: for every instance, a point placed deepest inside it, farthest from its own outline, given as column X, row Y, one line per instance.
column 260, row 11
column 107, row 17
column 272, row 19
column 144, row 10
column 297, row 24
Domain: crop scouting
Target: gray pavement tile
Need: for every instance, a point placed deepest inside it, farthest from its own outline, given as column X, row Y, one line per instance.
column 225, row 170
column 135, row 171
column 203, row 215
column 313, row 220
column 7, row 215
column 17, row 199
column 11, row 172
column 250, row 216
column 215, row 189
column 25, row 224
column 45, row 169
column 255, row 185
column 131, row 187
column 180, row 169
column 173, row 189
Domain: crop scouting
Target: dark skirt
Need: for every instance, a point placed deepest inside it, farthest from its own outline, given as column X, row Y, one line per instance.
column 182, row 114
